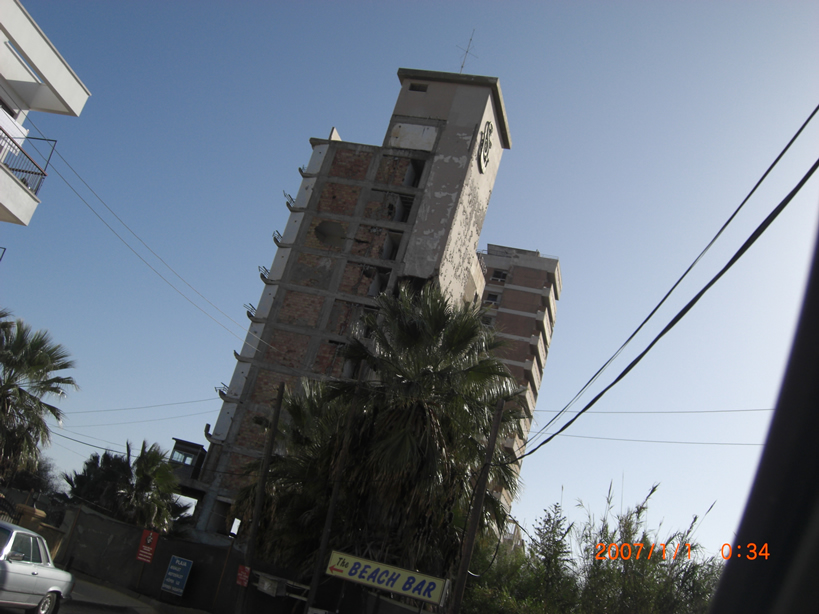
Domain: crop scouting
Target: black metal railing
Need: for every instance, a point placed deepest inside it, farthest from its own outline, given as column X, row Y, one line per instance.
column 20, row 163
column 223, row 388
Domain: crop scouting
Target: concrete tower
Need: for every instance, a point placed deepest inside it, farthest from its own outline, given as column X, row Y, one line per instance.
column 520, row 293
column 364, row 219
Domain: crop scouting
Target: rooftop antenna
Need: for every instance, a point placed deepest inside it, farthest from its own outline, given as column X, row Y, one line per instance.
column 467, row 51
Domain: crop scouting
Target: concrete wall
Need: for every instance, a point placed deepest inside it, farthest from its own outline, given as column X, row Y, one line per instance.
column 456, row 194
column 55, row 88
column 105, row 549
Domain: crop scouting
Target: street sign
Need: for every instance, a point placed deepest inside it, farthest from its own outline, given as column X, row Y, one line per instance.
column 177, row 575
column 243, row 575
column 388, row 578
column 147, row 546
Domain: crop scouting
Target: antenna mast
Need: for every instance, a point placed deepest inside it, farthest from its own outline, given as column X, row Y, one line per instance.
column 466, row 51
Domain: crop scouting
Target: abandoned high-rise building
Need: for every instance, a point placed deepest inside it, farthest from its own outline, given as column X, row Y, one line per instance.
column 364, row 219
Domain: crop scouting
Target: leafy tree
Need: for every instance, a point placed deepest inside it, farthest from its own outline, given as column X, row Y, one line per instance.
column 551, row 552
column 102, row 479
column 138, row 491
column 560, row 572
column 44, row 479
column 413, row 432
column 664, row 583
column 503, row 580
column 29, row 371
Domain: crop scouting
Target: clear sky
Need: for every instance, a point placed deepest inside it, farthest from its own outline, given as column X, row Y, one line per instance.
column 637, row 129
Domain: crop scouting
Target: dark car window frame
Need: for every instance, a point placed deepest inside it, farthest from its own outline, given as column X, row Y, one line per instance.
column 45, row 555
column 28, row 547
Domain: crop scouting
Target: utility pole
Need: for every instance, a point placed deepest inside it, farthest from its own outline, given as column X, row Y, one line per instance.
column 328, row 519
column 475, row 513
column 259, row 500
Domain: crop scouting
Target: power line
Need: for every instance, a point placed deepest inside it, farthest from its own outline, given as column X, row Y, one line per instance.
column 677, row 283
column 681, row 314
column 692, row 443
column 201, row 413
column 90, row 445
column 90, row 437
column 99, row 411
column 124, row 242
column 54, row 443
column 686, row 411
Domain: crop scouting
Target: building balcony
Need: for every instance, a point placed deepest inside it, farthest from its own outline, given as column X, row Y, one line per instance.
column 544, row 323
column 548, row 294
column 20, row 181
column 538, row 347
column 531, row 402
column 533, row 372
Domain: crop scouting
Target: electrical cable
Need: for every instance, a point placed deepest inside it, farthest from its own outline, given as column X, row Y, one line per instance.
column 90, row 445
column 90, row 437
column 677, row 283
column 687, row 411
column 695, row 443
column 201, row 413
column 54, row 443
column 492, row 562
column 99, row 411
column 124, row 242
column 681, row 314
column 135, row 235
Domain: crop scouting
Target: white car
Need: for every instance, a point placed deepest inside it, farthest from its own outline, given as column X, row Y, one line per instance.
column 28, row 577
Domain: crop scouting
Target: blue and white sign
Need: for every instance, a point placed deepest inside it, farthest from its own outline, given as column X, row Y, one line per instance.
column 177, row 575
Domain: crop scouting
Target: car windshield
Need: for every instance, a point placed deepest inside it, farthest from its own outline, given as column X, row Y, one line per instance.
column 4, row 538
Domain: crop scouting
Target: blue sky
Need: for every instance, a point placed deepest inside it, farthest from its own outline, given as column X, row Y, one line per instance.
column 637, row 129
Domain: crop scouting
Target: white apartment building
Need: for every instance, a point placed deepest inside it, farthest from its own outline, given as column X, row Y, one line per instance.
column 33, row 77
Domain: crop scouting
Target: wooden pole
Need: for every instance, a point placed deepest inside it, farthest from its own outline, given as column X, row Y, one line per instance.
column 475, row 514
column 259, row 500
column 328, row 519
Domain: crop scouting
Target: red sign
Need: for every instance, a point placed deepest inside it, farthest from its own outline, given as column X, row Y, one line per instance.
column 147, row 546
column 243, row 575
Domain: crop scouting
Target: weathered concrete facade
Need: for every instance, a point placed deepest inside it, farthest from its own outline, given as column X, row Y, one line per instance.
column 364, row 219
column 520, row 293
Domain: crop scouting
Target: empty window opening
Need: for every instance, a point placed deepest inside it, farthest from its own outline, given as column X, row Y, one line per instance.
column 391, row 245
column 414, row 171
column 418, row 87
column 330, row 233
column 396, row 207
column 492, row 299
column 402, row 212
column 381, row 279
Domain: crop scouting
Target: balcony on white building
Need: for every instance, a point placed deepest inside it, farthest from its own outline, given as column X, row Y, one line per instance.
column 33, row 77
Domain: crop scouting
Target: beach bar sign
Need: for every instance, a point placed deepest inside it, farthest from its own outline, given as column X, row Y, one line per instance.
column 387, row 578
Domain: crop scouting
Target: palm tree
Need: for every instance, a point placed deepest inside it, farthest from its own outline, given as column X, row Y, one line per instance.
column 29, row 363
column 426, row 415
column 298, row 483
column 149, row 497
column 139, row 490
column 100, row 483
column 412, row 432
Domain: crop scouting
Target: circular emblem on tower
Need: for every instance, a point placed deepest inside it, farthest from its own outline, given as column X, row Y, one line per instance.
column 484, row 147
